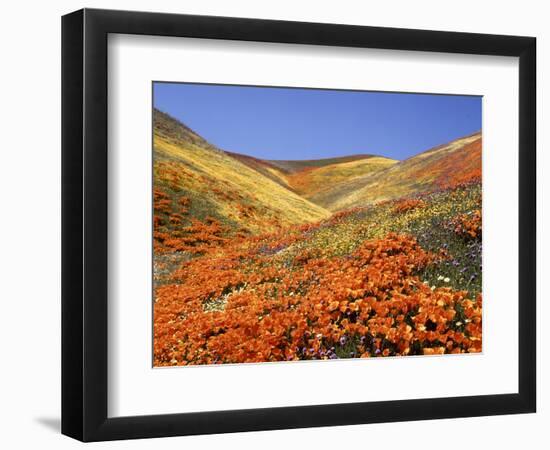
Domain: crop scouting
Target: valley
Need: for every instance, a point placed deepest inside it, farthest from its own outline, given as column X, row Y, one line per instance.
column 281, row 260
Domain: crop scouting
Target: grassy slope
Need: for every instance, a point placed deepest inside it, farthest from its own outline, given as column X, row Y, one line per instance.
column 311, row 183
column 309, row 178
column 436, row 167
column 293, row 166
column 266, row 168
column 217, row 185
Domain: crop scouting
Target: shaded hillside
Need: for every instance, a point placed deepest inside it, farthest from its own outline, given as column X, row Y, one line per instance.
column 452, row 163
column 201, row 194
column 266, row 168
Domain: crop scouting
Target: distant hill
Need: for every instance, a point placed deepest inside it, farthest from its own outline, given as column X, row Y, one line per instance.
column 294, row 166
column 456, row 161
column 358, row 180
column 310, row 177
column 194, row 179
column 255, row 195
column 312, row 182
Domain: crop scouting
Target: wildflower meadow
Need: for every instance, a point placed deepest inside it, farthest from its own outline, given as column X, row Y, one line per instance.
column 248, row 269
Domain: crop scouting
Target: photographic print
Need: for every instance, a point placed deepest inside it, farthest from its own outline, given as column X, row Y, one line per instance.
column 295, row 224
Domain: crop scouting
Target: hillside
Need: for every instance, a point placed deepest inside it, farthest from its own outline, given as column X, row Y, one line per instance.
column 249, row 265
column 459, row 160
column 394, row 279
column 200, row 189
column 357, row 180
column 266, row 168
column 314, row 181
column 294, row 166
column 309, row 178
column 202, row 195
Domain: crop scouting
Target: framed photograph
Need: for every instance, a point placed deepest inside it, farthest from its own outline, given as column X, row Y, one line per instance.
column 273, row 224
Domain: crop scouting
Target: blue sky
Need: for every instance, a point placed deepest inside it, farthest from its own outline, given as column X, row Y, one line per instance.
column 280, row 123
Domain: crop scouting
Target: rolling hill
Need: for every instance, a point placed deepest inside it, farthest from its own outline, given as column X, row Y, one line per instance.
column 311, row 177
column 266, row 168
column 294, row 166
column 357, row 180
column 457, row 161
column 195, row 181
column 312, row 182
column 249, row 194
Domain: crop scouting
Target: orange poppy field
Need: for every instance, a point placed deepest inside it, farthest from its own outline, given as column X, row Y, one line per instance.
column 352, row 257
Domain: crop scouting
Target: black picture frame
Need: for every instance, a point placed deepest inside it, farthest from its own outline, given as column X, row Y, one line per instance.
column 84, row 224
